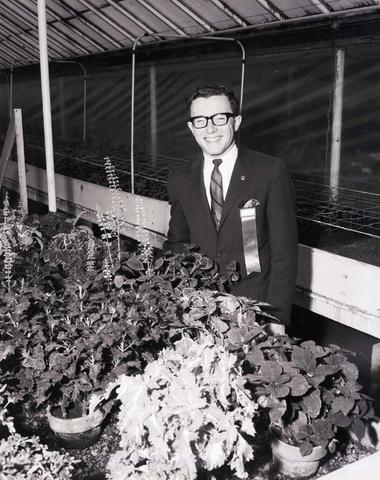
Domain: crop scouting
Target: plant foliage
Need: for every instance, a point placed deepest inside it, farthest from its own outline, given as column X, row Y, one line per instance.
column 311, row 392
column 188, row 411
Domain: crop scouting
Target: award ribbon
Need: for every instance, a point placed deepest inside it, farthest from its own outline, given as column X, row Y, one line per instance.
column 249, row 231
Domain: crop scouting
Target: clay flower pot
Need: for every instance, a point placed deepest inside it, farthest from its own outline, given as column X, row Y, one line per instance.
column 75, row 432
column 288, row 459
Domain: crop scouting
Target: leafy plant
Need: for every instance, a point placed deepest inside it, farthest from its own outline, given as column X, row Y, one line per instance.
column 187, row 412
column 25, row 458
column 311, row 392
column 78, row 339
column 73, row 329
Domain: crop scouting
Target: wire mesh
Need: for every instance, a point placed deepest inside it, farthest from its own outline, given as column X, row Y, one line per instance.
column 347, row 209
column 343, row 208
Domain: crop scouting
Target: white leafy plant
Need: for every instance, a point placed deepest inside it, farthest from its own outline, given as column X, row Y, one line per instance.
column 186, row 412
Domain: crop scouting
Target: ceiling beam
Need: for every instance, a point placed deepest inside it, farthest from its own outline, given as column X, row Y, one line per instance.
column 33, row 28
column 78, row 16
column 230, row 13
column 31, row 43
column 10, row 61
column 58, row 21
column 200, row 20
column 98, row 13
column 12, row 40
column 163, row 18
column 322, row 6
column 13, row 53
column 272, row 9
column 4, row 64
column 121, row 8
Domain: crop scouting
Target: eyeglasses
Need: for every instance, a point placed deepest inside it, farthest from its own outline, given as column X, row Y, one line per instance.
column 219, row 119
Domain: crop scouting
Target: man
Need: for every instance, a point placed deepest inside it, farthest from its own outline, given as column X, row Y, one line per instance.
column 235, row 204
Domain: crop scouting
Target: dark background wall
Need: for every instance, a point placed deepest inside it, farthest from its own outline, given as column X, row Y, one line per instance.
column 286, row 111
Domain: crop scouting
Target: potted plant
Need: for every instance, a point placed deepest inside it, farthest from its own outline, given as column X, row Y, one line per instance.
column 312, row 397
column 76, row 341
column 25, row 457
column 69, row 322
column 188, row 412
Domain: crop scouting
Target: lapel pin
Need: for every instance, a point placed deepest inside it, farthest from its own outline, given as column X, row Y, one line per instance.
column 242, row 178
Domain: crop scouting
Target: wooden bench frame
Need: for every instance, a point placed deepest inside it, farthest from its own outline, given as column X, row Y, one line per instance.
column 327, row 284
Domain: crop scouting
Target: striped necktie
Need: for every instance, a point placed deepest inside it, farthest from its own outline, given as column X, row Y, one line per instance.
column 216, row 191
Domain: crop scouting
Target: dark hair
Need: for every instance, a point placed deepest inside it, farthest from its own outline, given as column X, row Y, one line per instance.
column 210, row 90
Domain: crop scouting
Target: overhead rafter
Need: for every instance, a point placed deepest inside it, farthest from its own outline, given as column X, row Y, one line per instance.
column 272, row 9
column 200, row 20
column 163, row 18
column 3, row 64
column 99, row 13
column 73, row 29
column 15, row 39
column 31, row 20
column 88, row 27
column 322, row 6
column 89, row 24
column 11, row 53
column 136, row 21
column 230, row 13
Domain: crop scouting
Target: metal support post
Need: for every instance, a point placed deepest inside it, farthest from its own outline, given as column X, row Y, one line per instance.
column 336, row 134
column 45, row 88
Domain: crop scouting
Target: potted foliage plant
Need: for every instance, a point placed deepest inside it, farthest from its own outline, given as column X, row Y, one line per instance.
column 188, row 412
column 26, row 458
column 66, row 320
column 312, row 397
column 75, row 339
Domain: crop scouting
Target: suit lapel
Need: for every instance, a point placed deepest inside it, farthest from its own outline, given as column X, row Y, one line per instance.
column 236, row 189
column 200, row 197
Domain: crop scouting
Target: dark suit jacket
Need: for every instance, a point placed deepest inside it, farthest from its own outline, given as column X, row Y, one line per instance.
column 255, row 176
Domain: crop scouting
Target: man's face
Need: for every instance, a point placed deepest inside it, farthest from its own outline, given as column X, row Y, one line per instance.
column 213, row 140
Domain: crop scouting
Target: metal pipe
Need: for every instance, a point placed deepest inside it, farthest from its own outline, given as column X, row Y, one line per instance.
column 7, row 81
column 308, row 19
column 45, row 88
column 243, row 61
column 11, row 91
column 242, row 74
column 133, row 110
column 84, row 106
column 21, row 161
column 153, row 114
column 83, row 68
column 228, row 39
column 336, row 133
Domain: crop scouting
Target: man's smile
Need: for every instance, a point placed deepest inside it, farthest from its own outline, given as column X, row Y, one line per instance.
column 213, row 139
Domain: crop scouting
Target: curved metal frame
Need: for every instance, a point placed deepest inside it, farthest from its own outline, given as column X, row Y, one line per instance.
column 83, row 68
column 228, row 39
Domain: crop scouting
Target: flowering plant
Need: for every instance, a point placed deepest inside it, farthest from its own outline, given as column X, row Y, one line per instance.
column 187, row 412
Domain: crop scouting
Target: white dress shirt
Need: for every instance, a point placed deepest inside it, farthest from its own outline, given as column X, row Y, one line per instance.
column 226, row 168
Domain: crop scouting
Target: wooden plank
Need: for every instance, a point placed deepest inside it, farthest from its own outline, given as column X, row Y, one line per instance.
column 367, row 468
column 77, row 196
column 327, row 284
column 374, row 390
column 348, row 315
column 339, row 279
column 7, row 149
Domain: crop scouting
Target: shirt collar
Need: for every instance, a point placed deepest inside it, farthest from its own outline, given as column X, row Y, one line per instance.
column 227, row 157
